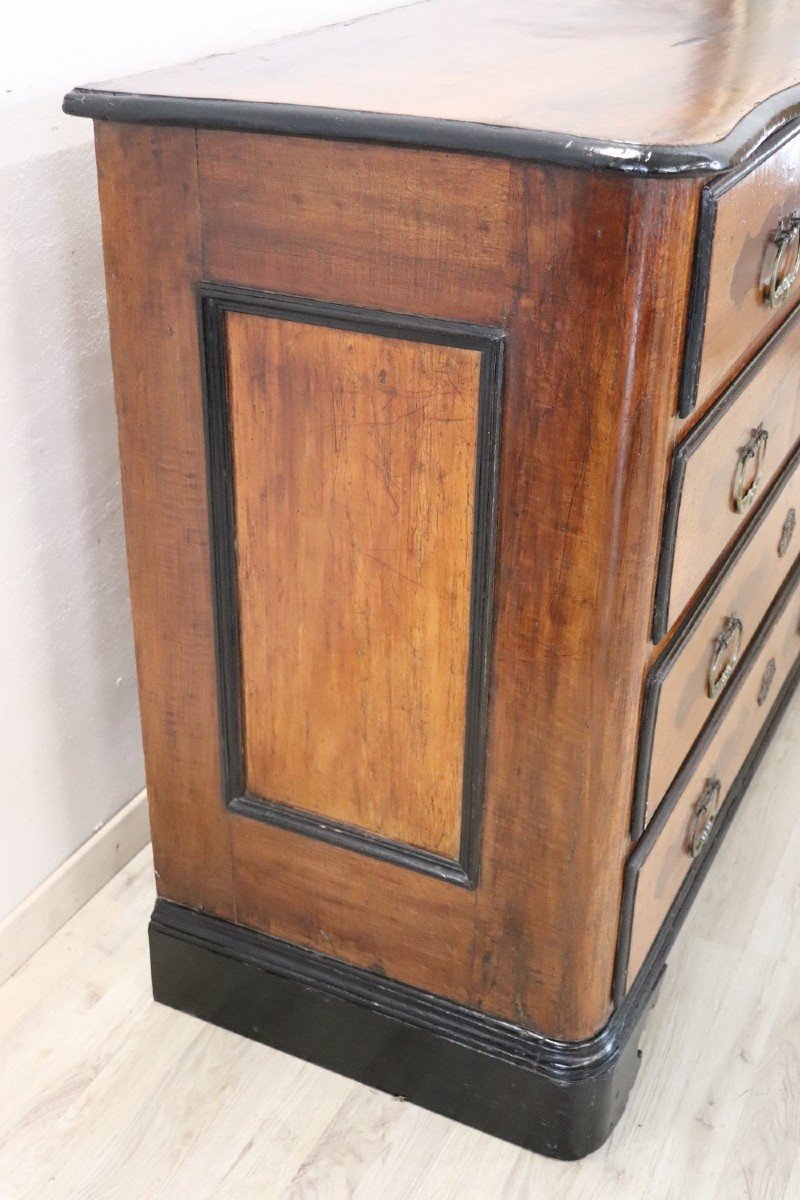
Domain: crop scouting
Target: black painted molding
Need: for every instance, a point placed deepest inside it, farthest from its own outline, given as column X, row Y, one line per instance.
column 672, row 652
column 698, row 302
column 558, row 1098
column 680, row 458
column 214, row 301
column 739, row 147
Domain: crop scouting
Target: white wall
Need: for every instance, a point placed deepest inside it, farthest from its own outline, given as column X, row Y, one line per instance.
column 70, row 753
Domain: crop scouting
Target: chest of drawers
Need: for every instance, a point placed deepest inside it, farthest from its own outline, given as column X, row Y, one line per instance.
column 456, row 365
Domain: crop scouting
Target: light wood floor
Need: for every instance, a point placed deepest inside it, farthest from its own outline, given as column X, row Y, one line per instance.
column 105, row 1095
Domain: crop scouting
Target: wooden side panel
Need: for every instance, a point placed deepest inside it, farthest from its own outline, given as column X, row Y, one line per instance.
column 354, row 468
column 587, row 408
column 148, row 195
column 737, row 320
column 405, row 231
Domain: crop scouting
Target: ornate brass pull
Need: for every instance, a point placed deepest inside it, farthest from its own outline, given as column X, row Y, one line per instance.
column 705, row 814
column 787, row 533
column 725, row 656
column 781, row 261
column 745, row 493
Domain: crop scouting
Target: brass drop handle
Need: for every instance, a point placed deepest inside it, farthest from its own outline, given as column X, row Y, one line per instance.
column 781, row 261
column 754, row 452
column 705, row 814
column 725, row 655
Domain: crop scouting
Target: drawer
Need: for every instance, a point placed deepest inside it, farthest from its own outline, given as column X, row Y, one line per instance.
column 745, row 278
column 724, row 467
column 714, row 774
column 688, row 678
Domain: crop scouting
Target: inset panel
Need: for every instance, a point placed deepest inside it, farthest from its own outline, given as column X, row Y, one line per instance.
column 357, row 453
column 354, row 485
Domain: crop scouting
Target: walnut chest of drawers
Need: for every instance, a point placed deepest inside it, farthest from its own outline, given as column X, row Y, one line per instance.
column 458, row 379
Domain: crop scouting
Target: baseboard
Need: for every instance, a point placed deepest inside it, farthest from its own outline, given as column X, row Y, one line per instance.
column 43, row 913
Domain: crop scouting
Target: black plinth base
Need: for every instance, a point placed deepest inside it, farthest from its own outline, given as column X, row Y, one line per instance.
column 560, row 1099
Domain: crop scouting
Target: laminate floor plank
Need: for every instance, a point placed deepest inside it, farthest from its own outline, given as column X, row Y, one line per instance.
column 107, row 1095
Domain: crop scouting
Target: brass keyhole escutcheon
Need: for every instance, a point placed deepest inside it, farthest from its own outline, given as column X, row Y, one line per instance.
column 787, row 533
column 766, row 681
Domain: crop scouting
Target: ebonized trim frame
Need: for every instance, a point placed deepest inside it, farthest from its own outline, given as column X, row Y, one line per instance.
column 698, row 301
column 787, row 592
column 701, row 273
column 740, row 147
column 214, row 301
column 670, row 655
column 680, row 458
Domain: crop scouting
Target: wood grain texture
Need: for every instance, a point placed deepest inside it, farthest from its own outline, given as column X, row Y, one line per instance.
column 669, row 861
column 650, row 73
column 363, row 225
column 748, row 214
column 708, row 521
column 149, row 201
column 747, row 591
column 354, row 464
column 587, row 411
column 580, row 517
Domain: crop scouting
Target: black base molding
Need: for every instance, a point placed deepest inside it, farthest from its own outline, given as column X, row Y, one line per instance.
column 558, row 1098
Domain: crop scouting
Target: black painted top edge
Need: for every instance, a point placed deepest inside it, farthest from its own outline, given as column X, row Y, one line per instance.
column 429, row 133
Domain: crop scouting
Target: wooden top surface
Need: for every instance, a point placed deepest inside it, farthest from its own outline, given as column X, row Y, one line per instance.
column 643, row 85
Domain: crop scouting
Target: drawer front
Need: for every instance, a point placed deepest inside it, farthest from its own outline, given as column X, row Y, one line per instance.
column 721, row 471
column 679, row 836
column 689, row 677
column 745, row 270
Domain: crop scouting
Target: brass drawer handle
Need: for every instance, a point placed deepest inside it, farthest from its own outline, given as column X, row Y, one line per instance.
column 755, row 451
column 705, row 814
column 787, row 533
column 781, row 261
column 725, row 656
